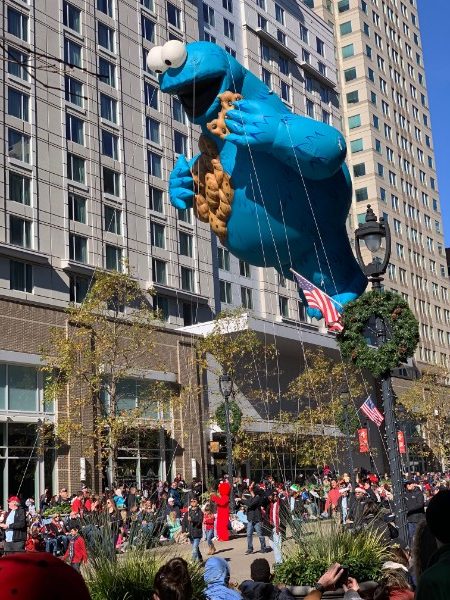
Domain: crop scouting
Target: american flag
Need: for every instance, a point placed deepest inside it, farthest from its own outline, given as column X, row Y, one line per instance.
column 372, row 412
column 318, row 299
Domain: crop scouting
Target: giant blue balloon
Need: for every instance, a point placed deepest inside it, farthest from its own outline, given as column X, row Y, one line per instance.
column 292, row 189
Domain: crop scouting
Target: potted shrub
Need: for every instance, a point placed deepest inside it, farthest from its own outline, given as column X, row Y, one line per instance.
column 362, row 552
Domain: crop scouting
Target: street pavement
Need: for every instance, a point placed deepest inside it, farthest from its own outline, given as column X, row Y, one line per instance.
column 232, row 551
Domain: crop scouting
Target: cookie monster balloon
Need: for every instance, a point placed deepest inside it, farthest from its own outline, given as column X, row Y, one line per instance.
column 273, row 185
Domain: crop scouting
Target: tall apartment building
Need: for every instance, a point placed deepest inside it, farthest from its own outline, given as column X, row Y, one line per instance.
column 390, row 152
column 88, row 142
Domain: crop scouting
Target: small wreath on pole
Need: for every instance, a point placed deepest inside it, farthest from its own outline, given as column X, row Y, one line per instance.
column 401, row 325
column 235, row 416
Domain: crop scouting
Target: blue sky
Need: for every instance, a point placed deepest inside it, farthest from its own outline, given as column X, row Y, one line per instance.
column 434, row 20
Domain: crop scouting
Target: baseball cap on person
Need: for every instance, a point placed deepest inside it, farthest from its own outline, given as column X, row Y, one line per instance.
column 15, row 499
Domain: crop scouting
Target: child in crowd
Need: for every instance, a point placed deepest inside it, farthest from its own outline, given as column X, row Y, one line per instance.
column 76, row 552
column 208, row 524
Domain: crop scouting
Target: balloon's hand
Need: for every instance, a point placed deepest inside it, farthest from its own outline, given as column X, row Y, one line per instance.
column 251, row 124
column 181, row 184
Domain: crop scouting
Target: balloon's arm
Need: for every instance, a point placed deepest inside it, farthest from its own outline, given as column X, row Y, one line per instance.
column 309, row 146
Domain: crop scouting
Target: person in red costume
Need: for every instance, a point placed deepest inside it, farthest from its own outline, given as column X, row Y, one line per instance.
column 222, row 502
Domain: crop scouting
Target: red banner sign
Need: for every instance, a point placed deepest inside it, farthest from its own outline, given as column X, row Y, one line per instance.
column 401, row 442
column 363, row 439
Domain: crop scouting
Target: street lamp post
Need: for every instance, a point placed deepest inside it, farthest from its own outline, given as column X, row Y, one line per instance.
column 345, row 397
column 226, row 389
column 372, row 232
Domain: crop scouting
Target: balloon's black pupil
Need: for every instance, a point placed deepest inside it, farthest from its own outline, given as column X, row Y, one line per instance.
column 168, row 63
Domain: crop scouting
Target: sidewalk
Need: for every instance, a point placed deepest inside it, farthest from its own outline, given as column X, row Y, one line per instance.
column 232, row 551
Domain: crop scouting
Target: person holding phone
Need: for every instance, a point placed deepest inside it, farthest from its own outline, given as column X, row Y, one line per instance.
column 332, row 579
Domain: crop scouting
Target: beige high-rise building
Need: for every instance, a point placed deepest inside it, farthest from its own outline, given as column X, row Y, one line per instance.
column 390, row 152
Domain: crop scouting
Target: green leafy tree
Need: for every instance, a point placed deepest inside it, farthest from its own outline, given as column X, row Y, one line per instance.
column 97, row 362
column 426, row 402
column 320, row 407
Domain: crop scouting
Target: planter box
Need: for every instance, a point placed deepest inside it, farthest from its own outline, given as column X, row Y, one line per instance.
column 300, row 591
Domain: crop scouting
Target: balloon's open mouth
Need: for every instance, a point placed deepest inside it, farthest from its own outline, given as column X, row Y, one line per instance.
column 198, row 96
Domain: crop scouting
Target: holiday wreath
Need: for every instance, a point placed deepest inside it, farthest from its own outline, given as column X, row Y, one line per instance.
column 401, row 326
column 235, row 417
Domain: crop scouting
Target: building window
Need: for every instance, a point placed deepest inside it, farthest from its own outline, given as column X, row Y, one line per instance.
column 18, row 145
column 108, row 108
column 151, row 95
column 244, row 268
column 348, row 51
column 187, row 279
column 246, row 297
column 105, row 37
column 180, row 143
column 303, row 33
column 106, row 7
column 353, row 97
column 111, row 182
column 208, row 15
column 77, row 208
column 320, row 46
column 279, row 13
column 154, row 164
column 359, row 170
column 72, row 53
column 73, row 91
column 361, row 194
column 19, row 232
column 345, row 28
column 208, row 37
column 223, row 258
column 225, row 292
column 262, row 22
column 20, row 276
column 285, row 91
column 161, row 307
column 310, row 108
column 148, row 29
column 113, row 258
column 74, row 129
column 110, row 144
column 343, row 5
column 79, row 287
column 281, row 37
column 18, row 103
column 228, row 5
column 158, row 235
column 113, row 220
column 185, row 244
column 326, row 117
column 228, row 29
column 72, row 17
column 350, row 74
column 159, row 270
column 266, row 77
column 19, row 188
column 77, row 248
column 173, row 15
column 152, row 127
column 357, row 145
column 17, row 24
column 17, row 63
column 283, row 65
column 75, row 168
column 156, row 199
column 185, row 215
column 178, row 111
column 354, row 121
column 230, row 51
column 283, row 306
column 107, row 72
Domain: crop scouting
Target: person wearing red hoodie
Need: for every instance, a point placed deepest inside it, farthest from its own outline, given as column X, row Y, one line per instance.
column 332, row 498
column 223, row 510
column 76, row 552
